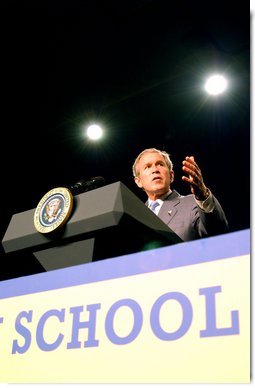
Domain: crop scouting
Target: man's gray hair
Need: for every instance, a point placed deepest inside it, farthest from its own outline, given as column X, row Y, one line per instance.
column 165, row 155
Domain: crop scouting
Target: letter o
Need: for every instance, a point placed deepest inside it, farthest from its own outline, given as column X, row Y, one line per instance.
column 138, row 321
column 187, row 316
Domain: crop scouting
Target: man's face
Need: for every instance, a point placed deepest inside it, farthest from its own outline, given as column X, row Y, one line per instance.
column 153, row 175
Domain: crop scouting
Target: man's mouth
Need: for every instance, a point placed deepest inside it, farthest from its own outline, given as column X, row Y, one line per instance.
column 156, row 178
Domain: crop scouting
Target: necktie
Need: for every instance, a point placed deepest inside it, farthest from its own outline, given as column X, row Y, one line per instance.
column 153, row 206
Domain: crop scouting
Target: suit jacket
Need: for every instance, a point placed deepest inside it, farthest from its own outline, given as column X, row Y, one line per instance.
column 188, row 220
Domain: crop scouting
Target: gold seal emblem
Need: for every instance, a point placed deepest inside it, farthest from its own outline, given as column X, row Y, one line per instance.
column 53, row 210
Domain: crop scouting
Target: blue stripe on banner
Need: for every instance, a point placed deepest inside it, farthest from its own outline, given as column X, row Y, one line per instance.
column 200, row 251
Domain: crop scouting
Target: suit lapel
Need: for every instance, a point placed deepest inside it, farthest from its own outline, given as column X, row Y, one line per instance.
column 169, row 207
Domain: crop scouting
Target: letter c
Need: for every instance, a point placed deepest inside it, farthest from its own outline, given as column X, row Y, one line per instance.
column 43, row 345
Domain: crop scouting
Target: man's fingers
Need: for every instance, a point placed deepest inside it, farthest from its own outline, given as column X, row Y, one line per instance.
column 191, row 158
column 188, row 179
column 190, row 162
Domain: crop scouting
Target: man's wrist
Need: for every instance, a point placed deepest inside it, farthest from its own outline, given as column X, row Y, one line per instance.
column 204, row 196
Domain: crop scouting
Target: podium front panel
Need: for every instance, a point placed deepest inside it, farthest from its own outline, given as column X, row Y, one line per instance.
column 177, row 314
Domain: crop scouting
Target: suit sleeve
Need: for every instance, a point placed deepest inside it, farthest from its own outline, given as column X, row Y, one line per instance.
column 210, row 224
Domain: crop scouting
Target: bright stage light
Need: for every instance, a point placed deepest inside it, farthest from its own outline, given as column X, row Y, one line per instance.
column 216, row 84
column 94, row 132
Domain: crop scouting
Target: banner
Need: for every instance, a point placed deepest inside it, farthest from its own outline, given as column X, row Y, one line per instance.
column 178, row 314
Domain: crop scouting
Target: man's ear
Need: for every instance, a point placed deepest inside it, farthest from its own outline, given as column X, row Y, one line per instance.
column 171, row 176
column 138, row 182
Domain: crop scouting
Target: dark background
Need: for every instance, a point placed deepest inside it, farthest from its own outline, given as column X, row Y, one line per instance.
column 137, row 68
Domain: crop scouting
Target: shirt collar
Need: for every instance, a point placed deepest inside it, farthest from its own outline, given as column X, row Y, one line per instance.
column 161, row 199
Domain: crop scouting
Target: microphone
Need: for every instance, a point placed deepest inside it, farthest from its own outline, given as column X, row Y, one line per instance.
column 82, row 186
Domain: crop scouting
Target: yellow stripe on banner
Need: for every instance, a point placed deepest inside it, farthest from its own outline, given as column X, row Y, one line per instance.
column 146, row 314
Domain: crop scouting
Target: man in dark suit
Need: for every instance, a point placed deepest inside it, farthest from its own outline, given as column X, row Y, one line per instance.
column 190, row 217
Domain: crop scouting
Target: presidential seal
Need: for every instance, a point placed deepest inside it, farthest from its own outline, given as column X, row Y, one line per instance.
column 53, row 210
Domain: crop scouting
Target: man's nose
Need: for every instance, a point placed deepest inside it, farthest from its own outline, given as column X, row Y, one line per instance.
column 155, row 168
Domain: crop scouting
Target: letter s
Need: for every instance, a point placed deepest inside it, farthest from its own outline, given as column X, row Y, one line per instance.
column 22, row 330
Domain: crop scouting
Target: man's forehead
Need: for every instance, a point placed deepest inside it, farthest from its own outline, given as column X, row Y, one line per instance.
column 151, row 156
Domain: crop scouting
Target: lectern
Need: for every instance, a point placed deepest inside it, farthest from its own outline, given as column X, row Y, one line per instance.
column 106, row 222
